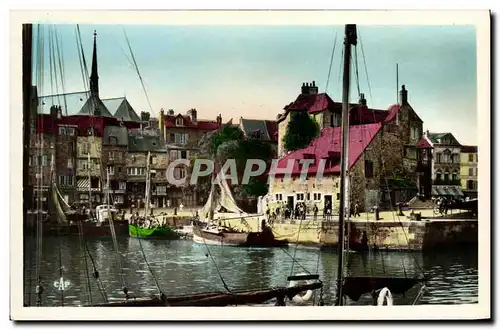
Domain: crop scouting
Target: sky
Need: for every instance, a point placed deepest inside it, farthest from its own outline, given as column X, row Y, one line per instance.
column 254, row 71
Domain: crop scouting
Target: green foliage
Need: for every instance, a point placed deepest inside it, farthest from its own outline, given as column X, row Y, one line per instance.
column 300, row 131
column 228, row 133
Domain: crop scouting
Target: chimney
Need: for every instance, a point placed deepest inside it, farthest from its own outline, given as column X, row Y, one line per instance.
column 403, row 95
column 97, row 112
column 362, row 100
column 313, row 89
column 53, row 111
column 59, row 112
column 193, row 115
column 219, row 119
column 94, row 77
column 309, row 88
column 170, row 112
column 161, row 124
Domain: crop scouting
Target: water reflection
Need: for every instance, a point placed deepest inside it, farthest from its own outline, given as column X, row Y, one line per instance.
column 182, row 267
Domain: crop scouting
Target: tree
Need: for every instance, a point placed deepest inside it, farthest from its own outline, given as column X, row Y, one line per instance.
column 300, row 131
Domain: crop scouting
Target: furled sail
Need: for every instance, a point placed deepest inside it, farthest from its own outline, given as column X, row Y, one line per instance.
column 56, row 205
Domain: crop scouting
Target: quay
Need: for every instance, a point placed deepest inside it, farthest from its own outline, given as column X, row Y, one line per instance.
column 389, row 233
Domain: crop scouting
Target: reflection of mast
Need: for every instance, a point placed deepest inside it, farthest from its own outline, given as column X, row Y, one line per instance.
column 148, row 184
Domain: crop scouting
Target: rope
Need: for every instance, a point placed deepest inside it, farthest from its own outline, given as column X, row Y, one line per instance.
column 366, row 68
column 84, row 255
column 295, row 249
column 137, row 70
column 331, row 62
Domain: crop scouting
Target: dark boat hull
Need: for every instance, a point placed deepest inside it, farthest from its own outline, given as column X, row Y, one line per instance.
column 90, row 229
column 251, row 239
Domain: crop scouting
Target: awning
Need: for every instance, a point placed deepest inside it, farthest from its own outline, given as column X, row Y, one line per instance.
column 84, row 185
column 444, row 190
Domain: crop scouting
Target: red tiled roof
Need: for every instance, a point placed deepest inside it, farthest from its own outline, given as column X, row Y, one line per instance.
column 424, row 143
column 328, row 144
column 272, row 129
column 393, row 111
column 46, row 124
column 469, row 149
column 358, row 115
column 205, row 125
column 312, row 103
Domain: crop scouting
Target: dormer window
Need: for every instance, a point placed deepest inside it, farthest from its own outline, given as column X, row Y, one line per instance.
column 90, row 131
column 113, row 140
column 179, row 121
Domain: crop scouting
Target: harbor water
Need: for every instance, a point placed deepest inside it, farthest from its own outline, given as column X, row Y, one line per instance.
column 184, row 267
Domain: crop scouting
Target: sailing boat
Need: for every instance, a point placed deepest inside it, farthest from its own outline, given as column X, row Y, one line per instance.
column 208, row 232
column 353, row 287
column 149, row 226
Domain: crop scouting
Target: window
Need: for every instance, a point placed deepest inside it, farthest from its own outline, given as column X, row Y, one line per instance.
column 338, row 196
column 447, row 177
column 174, row 154
column 317, row 196
column 69, row 180
column 70, row 163
column 119, row 199
column 471, row 185
column 471, row 171
column 368, row 169
column 110, row 169
column 161, row 190
column 113, row 140
column 438, row 157
column 122, row 185
column 90, row 131
column 111, row 155
column 415, row 133
column 438, row 176
column 62, row 180
column 454, row 176
column 279, row 197
column 86, row 148
column 179, row 121
column 179, row 172
column 300, row 197
column 172, row 138
column 471, row 158
column 65, row 180
column 183, row 154
column 66, row 130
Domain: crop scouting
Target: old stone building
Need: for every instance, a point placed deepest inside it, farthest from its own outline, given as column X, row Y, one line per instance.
column 114, row 156
column 400, row 119
column 265, row 130
column 468, row 170
column 383, row 152
column 140, row 142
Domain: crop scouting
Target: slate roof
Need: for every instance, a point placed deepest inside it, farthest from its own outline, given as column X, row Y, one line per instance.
column 92, row 104
column 121, row 109
column 435, row 137
column 120, row 132
column 329, row 143
column 267, row 128
column 145, row 140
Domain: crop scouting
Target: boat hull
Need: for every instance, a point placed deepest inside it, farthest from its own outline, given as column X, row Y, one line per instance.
column 155, row 232
column 251, row 239
column 90, row 229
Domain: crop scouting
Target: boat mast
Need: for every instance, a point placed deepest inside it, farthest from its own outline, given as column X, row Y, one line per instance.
column 349, row 39
column 90, row 183
column 148, row 185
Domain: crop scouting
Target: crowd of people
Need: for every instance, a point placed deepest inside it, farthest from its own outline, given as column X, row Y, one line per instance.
column 301, row 210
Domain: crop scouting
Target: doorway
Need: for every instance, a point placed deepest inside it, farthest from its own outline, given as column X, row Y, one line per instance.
column 289, row 202
column 328, row 202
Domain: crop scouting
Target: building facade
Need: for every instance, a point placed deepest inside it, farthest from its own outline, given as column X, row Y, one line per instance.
column 468, row 170
column 114, row 156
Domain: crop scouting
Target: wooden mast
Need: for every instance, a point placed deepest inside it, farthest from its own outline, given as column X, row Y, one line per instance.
column 349, row 39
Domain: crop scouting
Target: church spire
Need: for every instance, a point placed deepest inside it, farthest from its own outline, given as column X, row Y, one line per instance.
column 94, row 78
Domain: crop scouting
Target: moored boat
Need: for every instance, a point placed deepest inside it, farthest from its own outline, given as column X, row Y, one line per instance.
column 162, row 231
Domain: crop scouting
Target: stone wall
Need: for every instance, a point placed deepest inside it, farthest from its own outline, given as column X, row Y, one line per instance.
column 384, row 235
